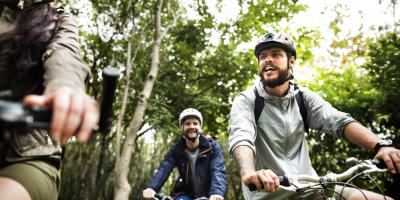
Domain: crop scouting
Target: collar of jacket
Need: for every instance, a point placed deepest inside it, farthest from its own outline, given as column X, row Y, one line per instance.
column 280, row 102
column 204, row 145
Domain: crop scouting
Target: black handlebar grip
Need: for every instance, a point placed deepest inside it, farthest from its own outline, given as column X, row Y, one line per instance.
column 41, row 117
column 157, row 196
column 379, row 163
column 110, row 76
column 283, row 180
column 252, row 187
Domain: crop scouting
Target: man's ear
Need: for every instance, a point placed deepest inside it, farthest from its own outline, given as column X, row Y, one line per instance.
column 292, row 61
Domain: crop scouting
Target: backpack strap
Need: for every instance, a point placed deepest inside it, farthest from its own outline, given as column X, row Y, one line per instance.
column 302, row 107
column 259, row 105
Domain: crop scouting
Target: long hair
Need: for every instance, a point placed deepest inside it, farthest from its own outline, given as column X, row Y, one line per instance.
column 23, row 46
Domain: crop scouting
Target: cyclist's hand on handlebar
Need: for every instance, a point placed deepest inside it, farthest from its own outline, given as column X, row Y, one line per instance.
column 73, row 112
column 264, row 180
column 391, row 157
column 216, row 197
column 149, row 193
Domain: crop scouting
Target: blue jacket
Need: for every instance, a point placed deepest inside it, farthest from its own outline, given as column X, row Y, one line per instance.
column 209, row 165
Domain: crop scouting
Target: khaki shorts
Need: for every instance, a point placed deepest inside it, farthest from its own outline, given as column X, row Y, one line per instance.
column 40, row 179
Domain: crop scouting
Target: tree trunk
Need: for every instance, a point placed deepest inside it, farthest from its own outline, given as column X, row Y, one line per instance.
column 122, row 187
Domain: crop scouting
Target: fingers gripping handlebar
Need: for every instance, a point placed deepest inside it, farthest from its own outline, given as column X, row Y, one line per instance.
column 366, row 166
column 15, row 115
column 283, row 180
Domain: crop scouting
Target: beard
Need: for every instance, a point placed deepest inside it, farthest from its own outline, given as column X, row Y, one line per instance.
column 187, row 135
column 283, row 76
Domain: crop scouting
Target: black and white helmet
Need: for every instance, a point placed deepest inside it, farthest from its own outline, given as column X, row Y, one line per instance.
column 270, row 40
column 189, row 113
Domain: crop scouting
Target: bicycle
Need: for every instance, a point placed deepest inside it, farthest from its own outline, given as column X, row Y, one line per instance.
column 14, row 115
column 161, row 196
column 302, row 183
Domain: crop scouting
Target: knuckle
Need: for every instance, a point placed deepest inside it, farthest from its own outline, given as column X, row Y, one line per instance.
column 76, row 110
column 60, row 108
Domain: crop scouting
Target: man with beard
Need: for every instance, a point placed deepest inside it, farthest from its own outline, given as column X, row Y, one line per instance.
column 199, row 160
column 273, row 143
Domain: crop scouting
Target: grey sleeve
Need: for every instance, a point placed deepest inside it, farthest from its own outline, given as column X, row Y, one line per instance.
column 322, row 116
column 242, row 126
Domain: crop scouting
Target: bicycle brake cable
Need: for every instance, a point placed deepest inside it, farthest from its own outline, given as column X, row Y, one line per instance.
column 346, row 184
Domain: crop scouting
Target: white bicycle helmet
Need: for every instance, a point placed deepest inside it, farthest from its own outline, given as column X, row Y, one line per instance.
column 190, row 112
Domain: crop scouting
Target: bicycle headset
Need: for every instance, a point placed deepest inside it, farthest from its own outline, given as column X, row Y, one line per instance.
column 271, row 39
column 21, row 4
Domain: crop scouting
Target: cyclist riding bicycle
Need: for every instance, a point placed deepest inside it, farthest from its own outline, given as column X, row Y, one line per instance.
column 269, row 140
column 199, row 160
column 40, row 64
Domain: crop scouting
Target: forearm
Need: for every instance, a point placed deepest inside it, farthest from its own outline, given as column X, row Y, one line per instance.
column 360, row 135
column 244, row 157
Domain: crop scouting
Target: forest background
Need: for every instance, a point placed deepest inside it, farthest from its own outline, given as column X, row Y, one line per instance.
column 175, row 54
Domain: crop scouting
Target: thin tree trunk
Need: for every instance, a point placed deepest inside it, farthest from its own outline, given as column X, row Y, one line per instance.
column 122, row 187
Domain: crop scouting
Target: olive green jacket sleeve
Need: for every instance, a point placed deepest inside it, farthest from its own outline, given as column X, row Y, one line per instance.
column 61, row 62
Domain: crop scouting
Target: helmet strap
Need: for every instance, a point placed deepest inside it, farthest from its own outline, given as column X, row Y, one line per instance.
column 290, row 73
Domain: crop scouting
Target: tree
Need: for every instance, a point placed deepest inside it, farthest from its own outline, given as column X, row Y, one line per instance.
column 384, row 69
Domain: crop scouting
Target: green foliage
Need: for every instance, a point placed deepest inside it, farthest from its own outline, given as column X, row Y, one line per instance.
column 256, row 16
column 197, row 70
column 362, row 92
column 384, row 68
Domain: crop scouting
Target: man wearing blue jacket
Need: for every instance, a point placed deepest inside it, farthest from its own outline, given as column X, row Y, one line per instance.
column 199, row 161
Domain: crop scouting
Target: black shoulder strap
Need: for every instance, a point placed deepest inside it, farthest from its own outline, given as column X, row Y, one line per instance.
column 258, row 105
column 303, row 110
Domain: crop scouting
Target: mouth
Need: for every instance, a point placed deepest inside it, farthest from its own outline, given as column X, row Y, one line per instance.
column 192, row 131
column 269, row 68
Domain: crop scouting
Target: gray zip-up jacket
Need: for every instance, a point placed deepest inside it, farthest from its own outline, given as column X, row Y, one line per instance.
column 279, row 140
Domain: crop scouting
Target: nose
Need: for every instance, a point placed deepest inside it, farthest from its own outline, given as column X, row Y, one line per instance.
column 266, row 59
column 191, row 125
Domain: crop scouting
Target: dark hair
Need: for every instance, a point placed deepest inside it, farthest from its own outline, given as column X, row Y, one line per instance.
column 23, row 46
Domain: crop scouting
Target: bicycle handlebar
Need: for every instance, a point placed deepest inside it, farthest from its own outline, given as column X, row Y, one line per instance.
column 301, row 182
column 160, row 196
column 15, row 115
column 283, row 180
column 110, row 76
